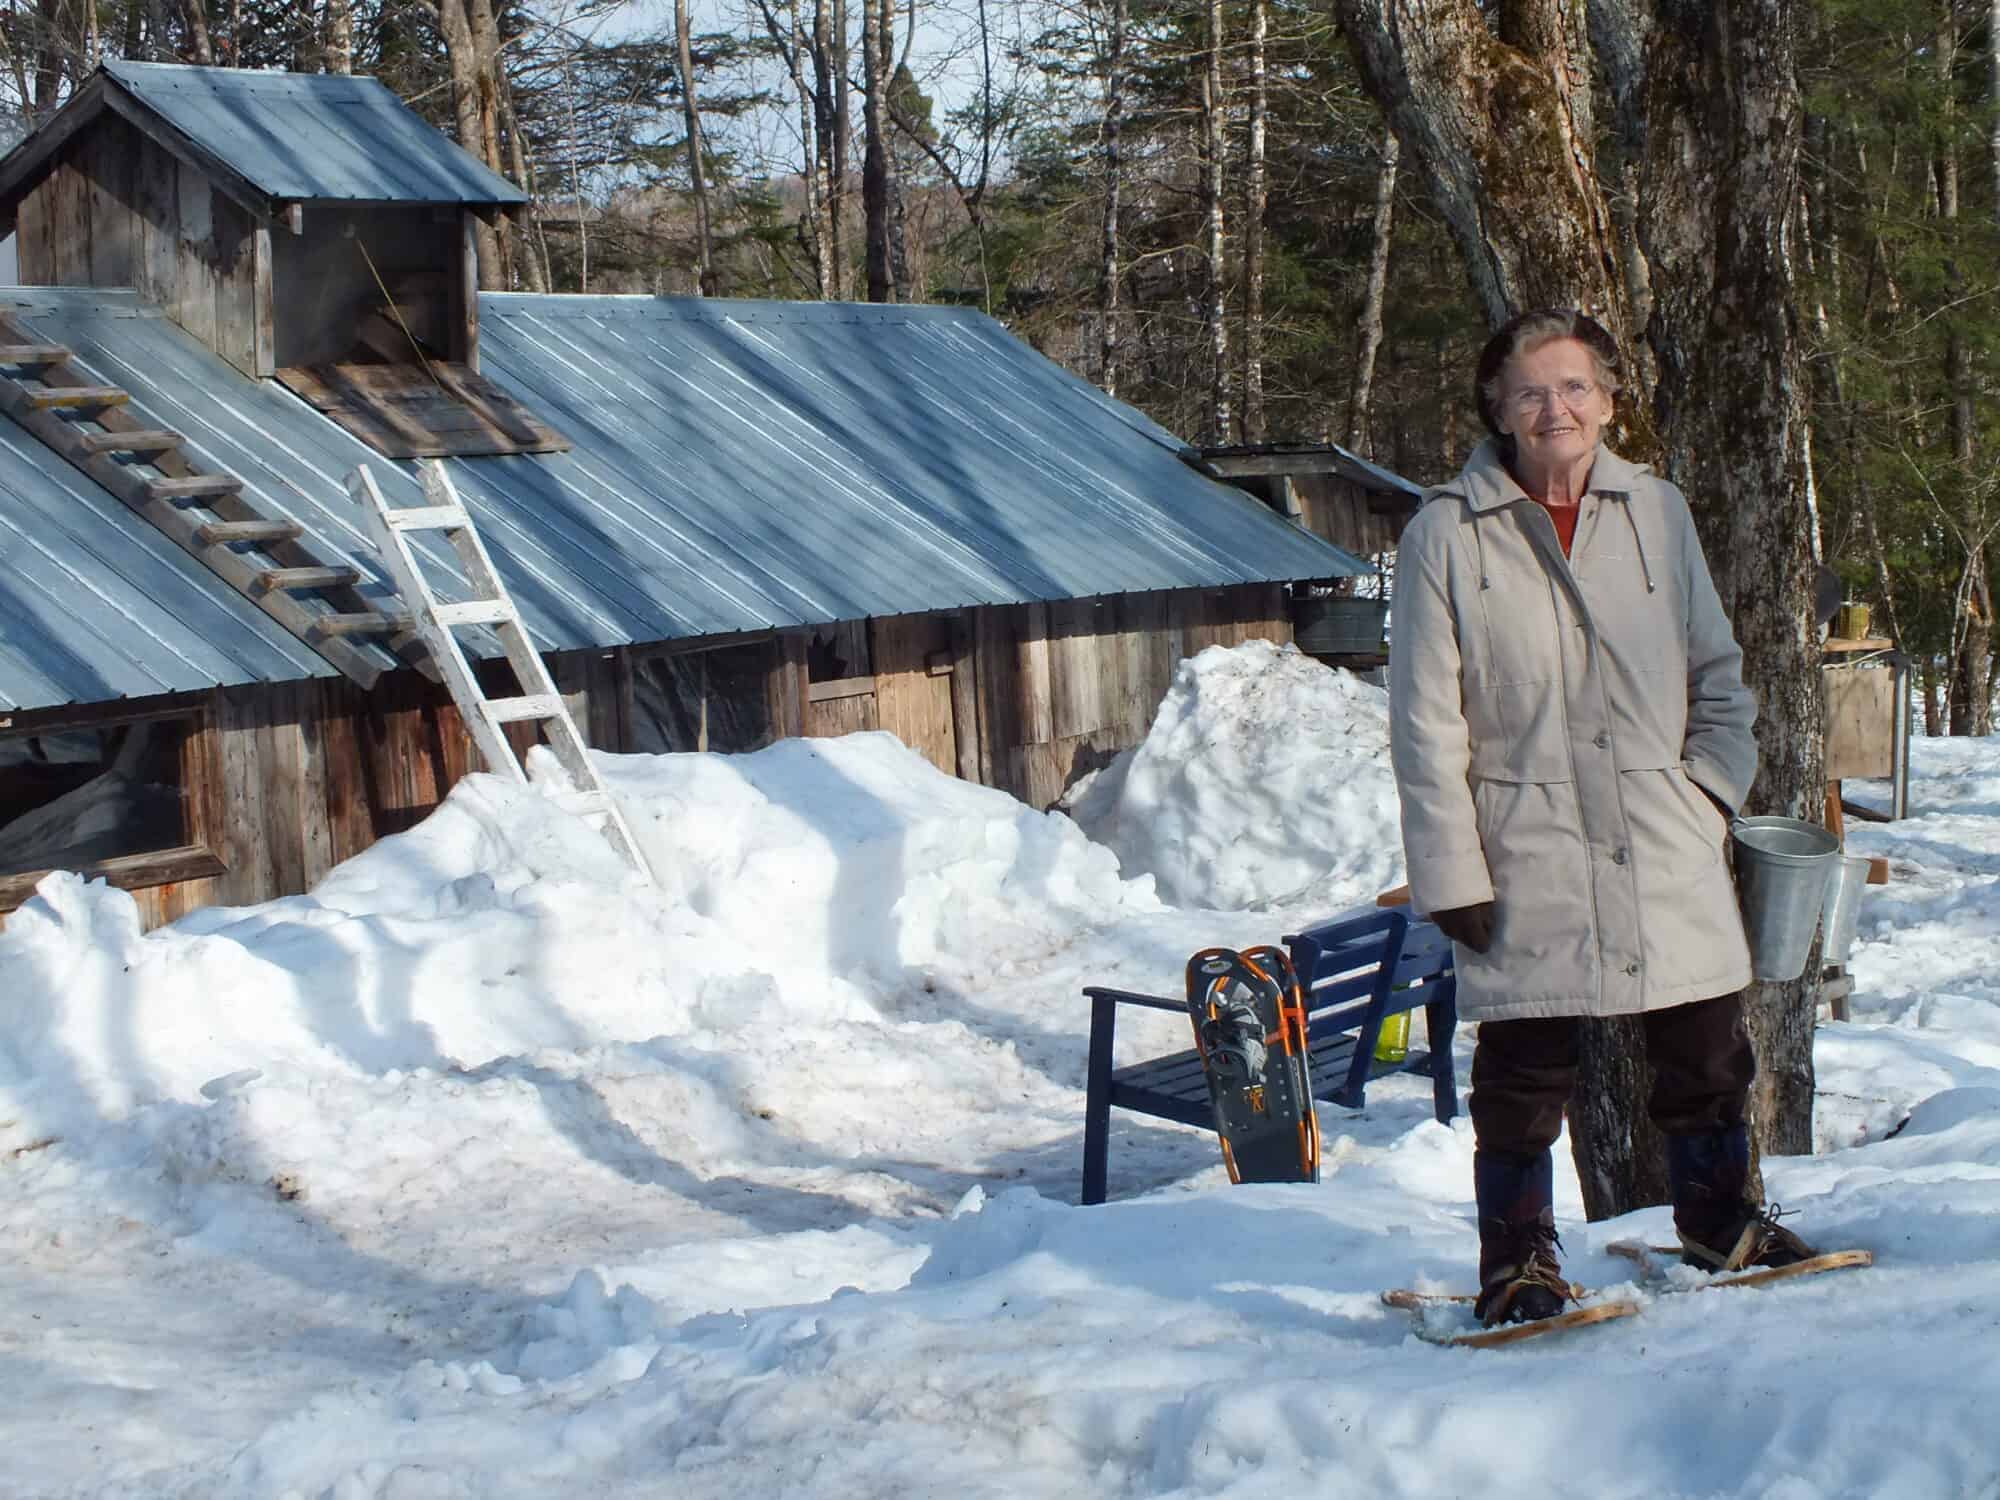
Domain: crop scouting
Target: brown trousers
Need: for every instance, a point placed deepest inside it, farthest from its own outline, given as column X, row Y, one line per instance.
column 1523, row 1072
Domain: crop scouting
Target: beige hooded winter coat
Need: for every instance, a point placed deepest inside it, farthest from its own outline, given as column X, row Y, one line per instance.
column 1553, row 722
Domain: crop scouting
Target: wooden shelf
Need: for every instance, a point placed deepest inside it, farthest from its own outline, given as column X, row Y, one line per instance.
column 1833, row 645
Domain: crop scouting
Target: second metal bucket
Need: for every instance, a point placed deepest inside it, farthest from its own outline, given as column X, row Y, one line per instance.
column 1842, row 909
column 1783, row 867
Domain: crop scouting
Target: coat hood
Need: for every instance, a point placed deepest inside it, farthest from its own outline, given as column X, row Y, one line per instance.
column 1485, row 485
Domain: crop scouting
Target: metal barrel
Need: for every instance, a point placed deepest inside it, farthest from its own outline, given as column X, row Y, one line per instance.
column 1842, row 909
column 1783, row 867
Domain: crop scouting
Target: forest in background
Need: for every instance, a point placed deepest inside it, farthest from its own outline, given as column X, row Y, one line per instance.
column 1196, row 204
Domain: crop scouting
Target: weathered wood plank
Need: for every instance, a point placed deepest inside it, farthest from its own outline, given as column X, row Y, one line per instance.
column 234, row 252
column 242, row 713
column 147, row 440
column 787, row 688
column 834, row 717
column 108, row 160
column 156, row 205
column 131, row 872
column 345, row 780
column 281, row 774
column 462, row 301
column 1078, row 664
column 996, row 634
column 964, row 688
column 69, row 233
column 263, row 312
column 912, row 702
column 33, row 260
column 1036, row 690
column 195, row 280
column 1859, row 741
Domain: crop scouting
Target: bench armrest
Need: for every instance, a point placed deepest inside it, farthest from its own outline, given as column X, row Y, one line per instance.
column 1133, row 997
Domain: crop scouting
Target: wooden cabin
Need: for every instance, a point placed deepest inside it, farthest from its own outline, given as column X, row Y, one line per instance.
column 724, row 522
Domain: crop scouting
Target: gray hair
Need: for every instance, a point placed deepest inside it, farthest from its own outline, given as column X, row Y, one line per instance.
column 1527, row 333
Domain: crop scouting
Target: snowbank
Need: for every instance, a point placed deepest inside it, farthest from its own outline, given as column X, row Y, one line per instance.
column 1264, row 780
column 797, row 886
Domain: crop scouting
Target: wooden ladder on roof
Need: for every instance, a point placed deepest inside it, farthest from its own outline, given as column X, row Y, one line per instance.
column 434, row 621
column 265, row 558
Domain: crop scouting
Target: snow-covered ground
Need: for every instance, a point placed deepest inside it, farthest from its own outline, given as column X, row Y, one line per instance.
column 481, row 1172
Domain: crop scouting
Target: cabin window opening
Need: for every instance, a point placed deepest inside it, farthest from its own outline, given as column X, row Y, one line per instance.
column 710, row 699
column 75, row 796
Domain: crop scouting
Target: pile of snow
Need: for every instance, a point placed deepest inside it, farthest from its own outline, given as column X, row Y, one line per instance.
column 800, row 887
column 1264, row 780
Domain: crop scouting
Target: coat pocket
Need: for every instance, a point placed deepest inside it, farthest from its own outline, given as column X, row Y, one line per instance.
column 1543, row 931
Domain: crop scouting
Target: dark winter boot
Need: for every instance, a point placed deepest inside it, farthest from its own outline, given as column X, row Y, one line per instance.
column 1720, row 1228
column 1520, row 1268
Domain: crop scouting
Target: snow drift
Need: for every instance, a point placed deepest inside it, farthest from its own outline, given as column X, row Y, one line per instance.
column 1264, row 779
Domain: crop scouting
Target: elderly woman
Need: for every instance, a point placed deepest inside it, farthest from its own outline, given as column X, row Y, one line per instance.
column 1570, row 731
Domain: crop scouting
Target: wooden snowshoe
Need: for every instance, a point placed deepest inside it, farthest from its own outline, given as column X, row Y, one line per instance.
column 1421, row 1303
column 1250, row 1031
column 1650, row 1258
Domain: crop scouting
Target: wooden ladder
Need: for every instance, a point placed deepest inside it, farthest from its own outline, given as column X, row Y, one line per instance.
column 265, row 558
column 434, row 621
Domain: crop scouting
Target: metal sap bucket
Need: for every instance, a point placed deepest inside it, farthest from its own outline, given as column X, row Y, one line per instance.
column 1783, row 868
column 1842, row 909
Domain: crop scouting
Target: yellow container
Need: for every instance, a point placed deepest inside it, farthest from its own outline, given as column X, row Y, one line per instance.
column 1392, row 1042
column 1851, row 623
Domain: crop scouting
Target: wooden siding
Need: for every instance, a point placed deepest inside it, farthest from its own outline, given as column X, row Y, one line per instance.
column 1340, row 511
column 118, row 209
column 286, row 780
column 1030, row 697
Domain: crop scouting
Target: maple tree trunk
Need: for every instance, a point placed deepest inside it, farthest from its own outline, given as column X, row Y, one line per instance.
column 1731, row 399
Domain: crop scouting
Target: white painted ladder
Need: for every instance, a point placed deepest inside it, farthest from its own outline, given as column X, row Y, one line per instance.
column 433, row 622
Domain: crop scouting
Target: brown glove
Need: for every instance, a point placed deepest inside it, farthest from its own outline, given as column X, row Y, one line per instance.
column 1468, row 926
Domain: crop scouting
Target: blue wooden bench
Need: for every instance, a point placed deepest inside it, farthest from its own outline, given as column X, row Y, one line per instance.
column 1355, row 970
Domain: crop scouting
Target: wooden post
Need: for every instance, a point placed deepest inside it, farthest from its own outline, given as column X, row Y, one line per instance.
column 463, row 303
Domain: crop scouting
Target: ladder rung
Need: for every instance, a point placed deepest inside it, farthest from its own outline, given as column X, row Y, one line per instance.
column 33, row 354
column 193, row 487
column 306, row 578
column 475, row 612
column 77, row 395
column 518, row 710
column 211, row 532
column 149, row 441
column 368, row 622
column 427, row 518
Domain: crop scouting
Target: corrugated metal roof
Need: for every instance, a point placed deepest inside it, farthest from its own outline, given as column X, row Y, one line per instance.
column 313, row 135
column 740, row 465
column 95, row 605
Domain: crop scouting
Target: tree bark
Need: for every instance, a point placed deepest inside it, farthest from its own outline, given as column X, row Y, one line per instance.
column 1254, row 203
column 1214, row 321
column 1368, row 327
column 1718, row 189
column 691, row 114
column 495, row 245
column 1497, row 123
column 1108, row 300
column 898, row 225
column 843, row 142
column 339, row 52
column 462, row 63
column 874, row 155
